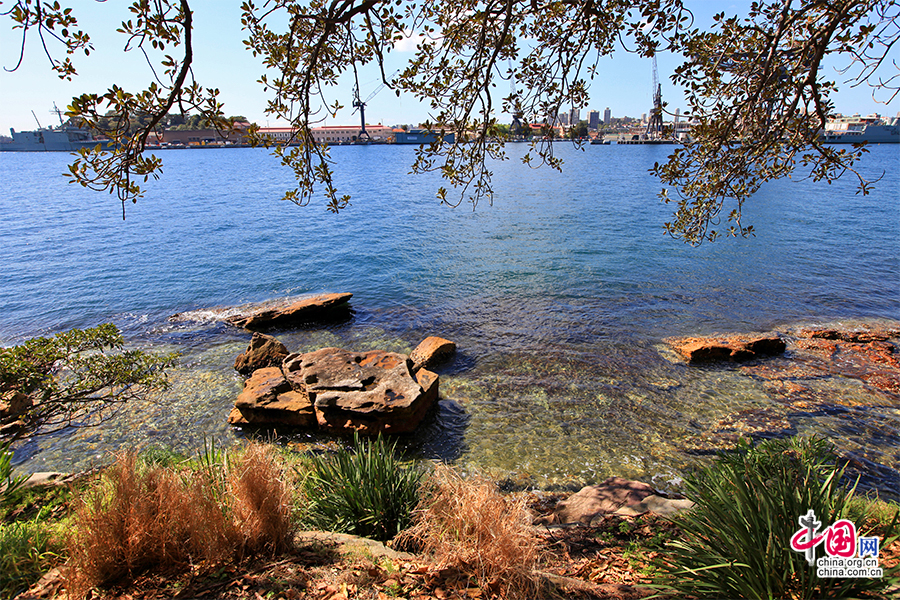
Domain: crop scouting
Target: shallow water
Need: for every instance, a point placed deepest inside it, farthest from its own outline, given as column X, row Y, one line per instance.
column 558, row 297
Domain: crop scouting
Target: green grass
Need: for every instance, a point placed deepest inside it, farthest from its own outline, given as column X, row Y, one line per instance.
column 27, row 551
column 366, row 491
column 161, row 455
column 31, row 524
column 735, row 543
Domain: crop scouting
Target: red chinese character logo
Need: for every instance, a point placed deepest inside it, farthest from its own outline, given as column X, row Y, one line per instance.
column 840, row 539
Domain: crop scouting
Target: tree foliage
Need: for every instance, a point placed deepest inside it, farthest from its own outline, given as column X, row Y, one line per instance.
column 76, row 378
column 757, row 88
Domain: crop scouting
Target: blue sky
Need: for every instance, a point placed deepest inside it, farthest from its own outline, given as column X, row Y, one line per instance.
column 623, row 83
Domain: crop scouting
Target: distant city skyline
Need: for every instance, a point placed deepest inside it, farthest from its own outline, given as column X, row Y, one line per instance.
column 623, row 81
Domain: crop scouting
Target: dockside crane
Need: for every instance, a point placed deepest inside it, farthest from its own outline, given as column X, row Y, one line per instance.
column 655, row 122
column 360, row 105
column 515, row 128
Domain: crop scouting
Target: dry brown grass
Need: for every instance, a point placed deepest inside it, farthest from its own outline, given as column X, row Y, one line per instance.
column 142, row 517
column 260, row 501
column 467, row 524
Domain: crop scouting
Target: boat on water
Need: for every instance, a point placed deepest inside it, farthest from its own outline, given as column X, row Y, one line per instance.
column 871, row 129
column 64, row 138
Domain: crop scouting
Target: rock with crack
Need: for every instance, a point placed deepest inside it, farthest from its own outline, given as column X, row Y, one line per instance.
column 370, row 392
column 268, row 399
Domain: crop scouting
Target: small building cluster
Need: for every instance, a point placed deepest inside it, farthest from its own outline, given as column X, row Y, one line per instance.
column 332, row 135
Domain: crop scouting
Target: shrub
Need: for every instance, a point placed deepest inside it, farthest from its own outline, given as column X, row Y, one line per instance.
column 471, row 526
column 365, row 491
column 260, row 501
column 143, row 516
column 77, row 378
column 735, row 543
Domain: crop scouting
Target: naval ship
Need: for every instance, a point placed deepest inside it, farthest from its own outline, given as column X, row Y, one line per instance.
column 65, row 138
column 872, row 129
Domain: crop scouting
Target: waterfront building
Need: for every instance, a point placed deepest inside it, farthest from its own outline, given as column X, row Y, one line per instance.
column 333, row 134
column 594, row 119
column 607, row 116
column 203, row 137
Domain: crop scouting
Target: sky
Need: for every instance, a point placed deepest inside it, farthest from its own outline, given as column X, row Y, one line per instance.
column 220, row 60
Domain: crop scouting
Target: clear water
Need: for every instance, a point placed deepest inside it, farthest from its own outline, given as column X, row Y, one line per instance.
column 558, row 297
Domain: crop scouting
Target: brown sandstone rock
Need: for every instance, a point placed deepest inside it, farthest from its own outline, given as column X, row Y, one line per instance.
column 610, row 496
column 733, row 347
column 857, row 336
column 370, row 392
column 278, row 315
column 268, row 399
column 432, row 350
column 13, row 405
column 263, row 351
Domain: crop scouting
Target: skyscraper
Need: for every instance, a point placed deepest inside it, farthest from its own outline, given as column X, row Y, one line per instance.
column 594, row 119
column 574, row 116
column 607, row 116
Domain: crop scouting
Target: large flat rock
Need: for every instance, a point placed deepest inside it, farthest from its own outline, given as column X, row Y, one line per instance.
column 370, row 392
column 286, row 314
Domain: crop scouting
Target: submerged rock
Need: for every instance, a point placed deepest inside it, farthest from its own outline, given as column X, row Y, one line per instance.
column 324, row 306
column 731, row 347
column 263, row 351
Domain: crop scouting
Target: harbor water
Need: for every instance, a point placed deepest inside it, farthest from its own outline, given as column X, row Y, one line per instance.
column 558, row 295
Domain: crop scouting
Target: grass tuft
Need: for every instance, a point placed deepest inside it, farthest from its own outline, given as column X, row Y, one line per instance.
column 144, row 516
column 735, row 543
column 469, row 525
column 364, row 491
column 28, row 549
column 260, row 501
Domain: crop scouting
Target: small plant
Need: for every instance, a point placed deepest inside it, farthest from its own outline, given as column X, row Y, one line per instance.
column 470, row 526
column 142, row 516
column 735, row 543
column 365, row 491
column 8, row 483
